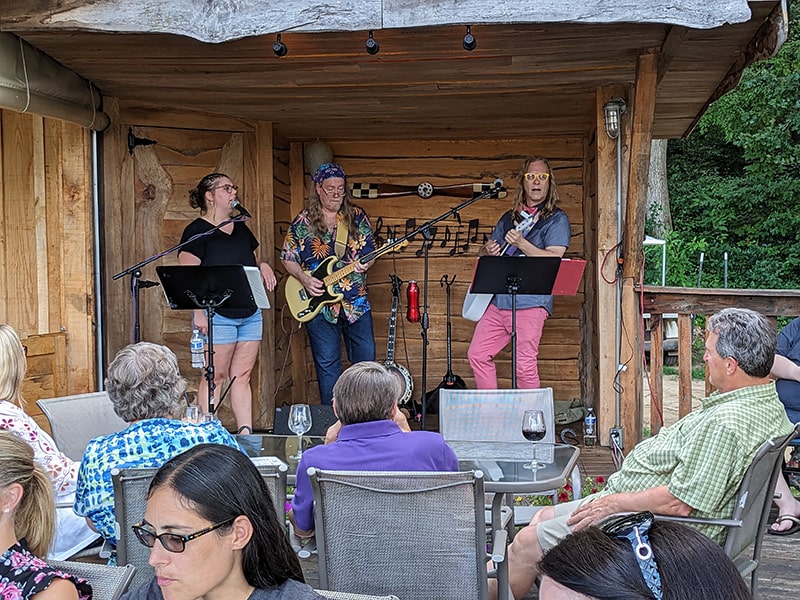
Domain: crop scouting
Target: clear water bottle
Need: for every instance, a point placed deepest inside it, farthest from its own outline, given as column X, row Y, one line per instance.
column 197, row 346
column 589, row 428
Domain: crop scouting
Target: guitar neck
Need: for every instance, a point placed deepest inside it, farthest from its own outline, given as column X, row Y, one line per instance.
column 392, row 328
column 337, row 276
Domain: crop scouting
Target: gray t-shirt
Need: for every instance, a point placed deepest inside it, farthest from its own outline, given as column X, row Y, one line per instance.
column 290, row 590
column 555, row 230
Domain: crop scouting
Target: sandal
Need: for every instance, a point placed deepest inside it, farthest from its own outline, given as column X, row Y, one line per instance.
column 244, row 430
column 792, row 530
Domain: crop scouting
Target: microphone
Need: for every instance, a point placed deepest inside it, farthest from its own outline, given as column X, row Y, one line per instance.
column 242, row 210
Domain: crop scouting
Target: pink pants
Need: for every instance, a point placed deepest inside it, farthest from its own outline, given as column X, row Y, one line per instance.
column 492, row 334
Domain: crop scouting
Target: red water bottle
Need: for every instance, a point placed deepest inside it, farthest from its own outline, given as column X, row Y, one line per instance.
column 412, row 300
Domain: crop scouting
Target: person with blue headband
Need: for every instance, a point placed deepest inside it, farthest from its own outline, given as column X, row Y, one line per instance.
column 331, row 226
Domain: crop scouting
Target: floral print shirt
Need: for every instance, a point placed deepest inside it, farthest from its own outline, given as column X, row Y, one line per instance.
column 147, row 443
column 63, row 471
column 308, row 250
column 23, row 575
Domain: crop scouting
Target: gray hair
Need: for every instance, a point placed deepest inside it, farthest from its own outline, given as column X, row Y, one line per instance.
column 144, row 382
column 746, row 336
column 366, row 391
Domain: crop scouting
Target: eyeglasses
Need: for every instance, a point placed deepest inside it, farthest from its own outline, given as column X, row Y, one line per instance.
column 334, row 191
column 227, row 187
column 172, row 542
column 537, row 176
column 634, row 528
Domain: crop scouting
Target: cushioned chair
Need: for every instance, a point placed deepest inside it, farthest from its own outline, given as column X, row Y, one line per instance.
column 362, row 550
column 108, row 583
column 748, row 523
column 345, row 596
column 74, row 420
column 496, row 416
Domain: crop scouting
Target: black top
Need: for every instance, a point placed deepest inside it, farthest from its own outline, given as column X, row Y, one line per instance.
column 220, row 248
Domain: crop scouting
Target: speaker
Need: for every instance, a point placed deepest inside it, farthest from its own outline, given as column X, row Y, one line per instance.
column 322, row 417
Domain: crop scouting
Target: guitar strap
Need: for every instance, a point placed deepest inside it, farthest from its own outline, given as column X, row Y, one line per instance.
column 340, row 243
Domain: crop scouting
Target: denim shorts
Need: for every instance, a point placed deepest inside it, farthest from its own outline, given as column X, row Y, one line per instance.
column 230, row 331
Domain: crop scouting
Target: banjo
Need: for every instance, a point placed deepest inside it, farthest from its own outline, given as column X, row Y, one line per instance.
column 402, row 374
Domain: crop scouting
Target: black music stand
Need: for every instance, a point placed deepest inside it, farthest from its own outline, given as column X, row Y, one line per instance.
column 207, row 287
column 515, row 275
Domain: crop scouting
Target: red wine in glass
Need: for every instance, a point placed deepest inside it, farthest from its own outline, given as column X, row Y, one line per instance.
column 534, row 435
column 534, row 429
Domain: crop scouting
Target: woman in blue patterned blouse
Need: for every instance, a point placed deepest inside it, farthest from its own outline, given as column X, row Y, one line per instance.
column 147, row 390
column 27, row 525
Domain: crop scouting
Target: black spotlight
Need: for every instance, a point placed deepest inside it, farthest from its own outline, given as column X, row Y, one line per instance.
column 280, row 49
column 371, row 45
column 469, row 42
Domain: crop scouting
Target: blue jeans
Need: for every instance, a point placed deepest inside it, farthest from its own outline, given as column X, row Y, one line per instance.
column 325, row 340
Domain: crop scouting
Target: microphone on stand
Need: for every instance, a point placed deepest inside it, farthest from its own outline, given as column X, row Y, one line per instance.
column 242, row 210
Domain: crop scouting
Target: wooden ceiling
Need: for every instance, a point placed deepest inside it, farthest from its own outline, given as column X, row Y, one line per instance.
column 521, row 80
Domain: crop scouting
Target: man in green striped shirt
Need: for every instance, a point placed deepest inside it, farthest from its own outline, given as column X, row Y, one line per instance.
column 692, row 468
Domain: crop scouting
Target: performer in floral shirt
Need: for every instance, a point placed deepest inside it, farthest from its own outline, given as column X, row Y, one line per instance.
column 312, row 237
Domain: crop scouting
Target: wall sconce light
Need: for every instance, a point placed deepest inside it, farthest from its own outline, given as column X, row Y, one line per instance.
column 371, row 46
column 279, row 48
column 469, row 42
column 613, row 111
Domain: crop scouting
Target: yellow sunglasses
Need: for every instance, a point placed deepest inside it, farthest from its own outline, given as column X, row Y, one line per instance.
column 537, row 176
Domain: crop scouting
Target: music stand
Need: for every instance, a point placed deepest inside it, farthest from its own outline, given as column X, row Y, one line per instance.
column 189, row 287
column 529, row 275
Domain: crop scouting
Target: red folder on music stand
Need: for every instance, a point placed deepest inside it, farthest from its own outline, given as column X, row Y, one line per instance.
column 568, row 277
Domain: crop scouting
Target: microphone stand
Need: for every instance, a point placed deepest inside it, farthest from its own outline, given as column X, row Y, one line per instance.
column 424, row 229
column 135, row 272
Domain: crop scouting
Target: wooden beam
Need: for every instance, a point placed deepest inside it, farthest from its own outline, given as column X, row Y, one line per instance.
column 632, row 351
column 676, row 35
column 703, row 301
column 300, row 375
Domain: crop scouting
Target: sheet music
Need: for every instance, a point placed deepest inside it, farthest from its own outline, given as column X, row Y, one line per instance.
column 257, row 287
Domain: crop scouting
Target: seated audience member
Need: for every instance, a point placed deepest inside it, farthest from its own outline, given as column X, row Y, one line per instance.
column 786, row 371
column 27, row 524
column 218, row 533
column 692, row 468
column 599, row 563
column 72, row 531
column 365, row 401
column 146, row 389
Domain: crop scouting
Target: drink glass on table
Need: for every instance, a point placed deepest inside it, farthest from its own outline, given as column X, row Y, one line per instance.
column 299, row 423
column 191, row 414
column 534, row 429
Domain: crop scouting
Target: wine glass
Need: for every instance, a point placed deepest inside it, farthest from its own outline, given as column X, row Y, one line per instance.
column 534, row 429
column 299, row 422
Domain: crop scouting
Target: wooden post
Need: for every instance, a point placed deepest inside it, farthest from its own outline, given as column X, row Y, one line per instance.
column 632, row 353
column 300, row 377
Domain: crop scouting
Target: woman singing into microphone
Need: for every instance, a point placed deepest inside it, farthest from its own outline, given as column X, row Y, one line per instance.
column 548, row 235
column 237, row 332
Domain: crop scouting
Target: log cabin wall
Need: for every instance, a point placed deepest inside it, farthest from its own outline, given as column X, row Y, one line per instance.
column 564, row 350
column 46, row 253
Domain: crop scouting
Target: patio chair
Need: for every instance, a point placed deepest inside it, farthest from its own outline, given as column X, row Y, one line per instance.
column 74, row 420
column 346, row 596
column 496, row 416
column 361, row 549
column 748, row 523
column 130, row 501
column 108, row 583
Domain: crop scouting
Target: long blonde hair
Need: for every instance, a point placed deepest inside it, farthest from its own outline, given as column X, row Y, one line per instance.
column 12, row 365
column 35, row 515
column 549, row 204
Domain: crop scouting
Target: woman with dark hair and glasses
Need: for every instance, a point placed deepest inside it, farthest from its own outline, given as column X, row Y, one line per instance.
column 214, row 533
column 635, row 557
column 534, row 226
column 237, row 331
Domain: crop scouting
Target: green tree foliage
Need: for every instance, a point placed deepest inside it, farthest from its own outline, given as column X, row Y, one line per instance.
column 734, row 183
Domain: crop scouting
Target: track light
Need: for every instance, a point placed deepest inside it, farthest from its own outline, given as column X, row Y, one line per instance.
column 279, row 48
column 469, row 42
column 371, row 46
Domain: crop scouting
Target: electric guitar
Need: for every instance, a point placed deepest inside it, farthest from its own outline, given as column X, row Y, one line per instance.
column 476, row 304
column 450, row 381
column 303, row 306
column 402, row 374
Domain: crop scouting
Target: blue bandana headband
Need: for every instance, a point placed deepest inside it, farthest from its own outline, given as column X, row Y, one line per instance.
column 328, row 171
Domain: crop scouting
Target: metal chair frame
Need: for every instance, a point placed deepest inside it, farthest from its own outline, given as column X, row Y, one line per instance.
column 108, row 583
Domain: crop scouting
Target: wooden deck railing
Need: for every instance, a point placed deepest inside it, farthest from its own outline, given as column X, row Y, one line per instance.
column 686, row 302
